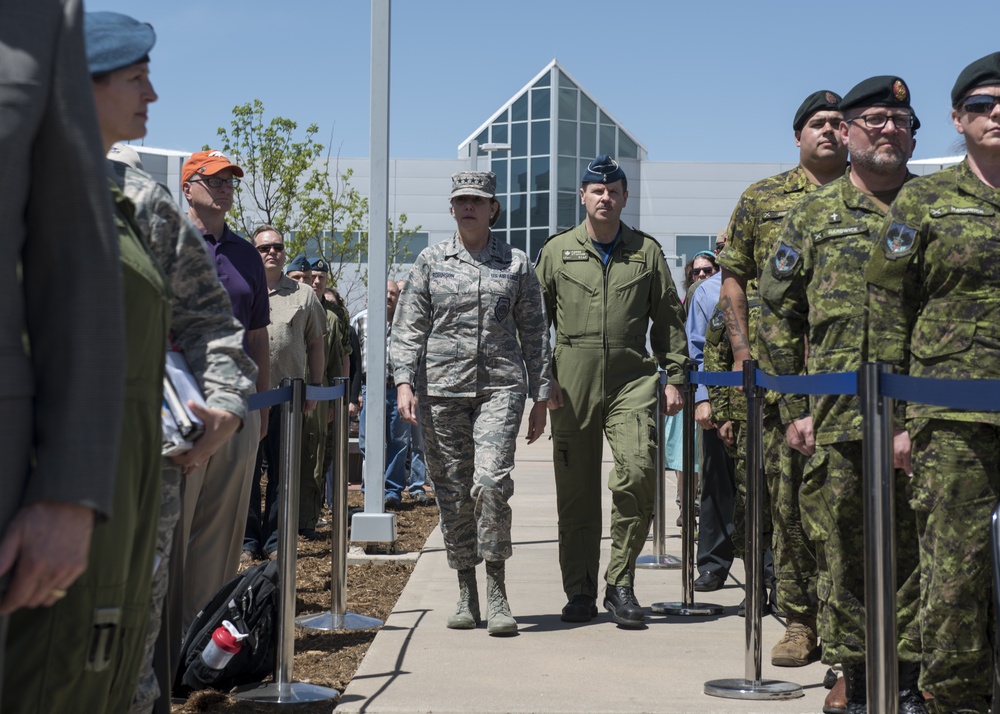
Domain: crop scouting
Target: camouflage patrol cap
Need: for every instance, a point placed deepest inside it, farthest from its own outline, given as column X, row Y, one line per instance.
column 125, row 154
column 300, row 263
column 984, row 72
column 474, row 183
column 819, row 101
column 602, row 169
column 319, row 265
column 882, row 91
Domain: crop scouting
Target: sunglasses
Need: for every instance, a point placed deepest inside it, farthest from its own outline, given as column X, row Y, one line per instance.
column 980, row 103
column 266, row 248
column 707, row 271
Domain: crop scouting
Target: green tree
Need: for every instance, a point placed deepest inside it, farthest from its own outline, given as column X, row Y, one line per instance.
column 291, row 184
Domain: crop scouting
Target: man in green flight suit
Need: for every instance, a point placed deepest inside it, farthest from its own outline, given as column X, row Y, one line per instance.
column 752, row 231
column 812, row 292
column 604, row 283
column 933, row 281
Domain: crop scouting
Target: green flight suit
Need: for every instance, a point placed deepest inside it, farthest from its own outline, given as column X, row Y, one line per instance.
column 933, row 286
column 813, row 290
column 602, row 313
column 83, row 653
column 753, row 229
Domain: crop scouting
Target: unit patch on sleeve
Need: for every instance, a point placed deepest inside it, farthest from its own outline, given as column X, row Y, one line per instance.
column 784, row 262
column 718, row 319
column 899, row 240
column 502, row 308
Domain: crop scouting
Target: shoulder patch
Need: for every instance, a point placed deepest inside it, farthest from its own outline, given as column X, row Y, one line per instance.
column 575, row 255
column 718, row 320
column 898, row 241
column 785, row 261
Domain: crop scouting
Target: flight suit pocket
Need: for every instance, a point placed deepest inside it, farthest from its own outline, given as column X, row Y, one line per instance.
column 576, row 300
column 636, row 285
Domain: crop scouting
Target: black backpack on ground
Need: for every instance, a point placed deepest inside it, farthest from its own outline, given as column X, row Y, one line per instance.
column 250, row 602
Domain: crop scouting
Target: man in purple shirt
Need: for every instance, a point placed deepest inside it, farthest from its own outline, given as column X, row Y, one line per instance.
column 217, row 493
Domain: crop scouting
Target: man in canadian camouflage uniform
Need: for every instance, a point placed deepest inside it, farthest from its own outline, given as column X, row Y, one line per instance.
column 933, row 282
column 470, row 335
column 604, row 283
column 752, row 230
column 811, row 291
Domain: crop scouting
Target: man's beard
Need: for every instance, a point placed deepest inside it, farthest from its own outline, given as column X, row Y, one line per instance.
column 878, row 162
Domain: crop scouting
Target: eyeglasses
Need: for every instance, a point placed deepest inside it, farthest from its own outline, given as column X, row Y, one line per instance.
column 877, row 121
column 980, row 103
column 218, row 182
column 265, row 248
column 699, row 271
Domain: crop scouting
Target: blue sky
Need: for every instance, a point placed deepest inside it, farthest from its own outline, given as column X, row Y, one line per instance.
column 694, row 81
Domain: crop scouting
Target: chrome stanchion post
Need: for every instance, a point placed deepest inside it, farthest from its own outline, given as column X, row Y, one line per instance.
column 659, row 558
column 338, row 618
column 752, row 686
column 879, row 482
column 283, row 690
column 687, row 606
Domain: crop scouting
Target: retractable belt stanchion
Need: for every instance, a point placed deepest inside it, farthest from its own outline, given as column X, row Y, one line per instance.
column 752, row 686
column 995, row 541
column 880, row 542
column 338, row 618
column 687, row 606
column 283, row 690
column 659, row 558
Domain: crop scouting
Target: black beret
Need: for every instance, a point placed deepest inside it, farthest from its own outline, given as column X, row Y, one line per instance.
column 115, row 41
column 300, row 263
column 984, row 71
column 824, row 99
column 603, row 169
column 882, row 91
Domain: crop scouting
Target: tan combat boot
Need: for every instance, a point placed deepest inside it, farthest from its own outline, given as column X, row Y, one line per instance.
column 466, row 615
column 797, row 647
column 499, row 621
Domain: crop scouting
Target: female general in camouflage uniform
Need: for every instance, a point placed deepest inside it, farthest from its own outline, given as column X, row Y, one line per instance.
column 470, row 335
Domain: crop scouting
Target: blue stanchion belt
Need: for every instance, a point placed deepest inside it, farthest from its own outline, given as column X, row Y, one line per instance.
column 274, row 397
column 982, row 395
column 829, row 383
column 718, row 379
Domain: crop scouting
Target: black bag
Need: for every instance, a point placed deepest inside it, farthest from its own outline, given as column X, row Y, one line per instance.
column 250, row 602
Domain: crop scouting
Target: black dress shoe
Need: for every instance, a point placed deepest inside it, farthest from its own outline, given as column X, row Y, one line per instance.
column 625, row 610
column 708, row 582
column 580, row 608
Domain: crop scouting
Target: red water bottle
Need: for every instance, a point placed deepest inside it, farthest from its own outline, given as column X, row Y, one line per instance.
column 226, row 641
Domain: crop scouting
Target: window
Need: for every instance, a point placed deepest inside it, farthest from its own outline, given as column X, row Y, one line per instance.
column 539, row 137
column 540, row 173
column 540, row 104
column 687, row 246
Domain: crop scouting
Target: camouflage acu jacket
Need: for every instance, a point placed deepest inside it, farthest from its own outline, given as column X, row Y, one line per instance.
column 934, row 285
column 202, row 326
column 464, row 327
column 813, row 292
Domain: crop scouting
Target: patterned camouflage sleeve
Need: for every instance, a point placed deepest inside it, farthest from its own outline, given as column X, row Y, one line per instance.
column 202, row 324
column 411, row 323
column 718, row 358
column 738, row 255
column 667, row 336
column 785, row 309
column 533, row 332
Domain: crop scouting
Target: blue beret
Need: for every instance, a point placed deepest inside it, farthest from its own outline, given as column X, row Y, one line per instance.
column 115, row 41
column 320, row 265
column 300, row 263
column 603, row 169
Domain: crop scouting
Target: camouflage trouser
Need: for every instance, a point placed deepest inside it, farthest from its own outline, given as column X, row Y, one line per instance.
column 170, row 510
column 956, row 485
column 794, row 554
column 470, row 445
column 833, row 516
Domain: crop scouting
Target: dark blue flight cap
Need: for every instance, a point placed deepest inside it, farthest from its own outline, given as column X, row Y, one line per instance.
column 603, row 169
column 300, row 263
column 320, row 265
column 115, row 41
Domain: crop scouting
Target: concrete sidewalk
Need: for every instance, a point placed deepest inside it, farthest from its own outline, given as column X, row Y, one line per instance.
column 416, row 664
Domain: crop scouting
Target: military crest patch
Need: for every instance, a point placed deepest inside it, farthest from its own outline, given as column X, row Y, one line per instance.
column 784, row 262
column 831, row 98
column 899, row 90
column 899, row 240
column 502, row 308
column 718, row 320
